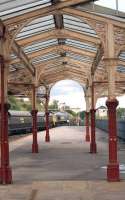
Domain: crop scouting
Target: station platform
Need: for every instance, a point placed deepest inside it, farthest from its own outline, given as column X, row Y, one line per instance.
column 63, row 169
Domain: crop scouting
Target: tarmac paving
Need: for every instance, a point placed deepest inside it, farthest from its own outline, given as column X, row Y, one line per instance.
column 63, row 169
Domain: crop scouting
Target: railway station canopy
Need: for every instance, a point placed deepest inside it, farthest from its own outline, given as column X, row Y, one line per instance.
column 52, row 40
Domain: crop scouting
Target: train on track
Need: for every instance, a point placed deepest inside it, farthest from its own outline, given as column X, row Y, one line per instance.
column 21, row 121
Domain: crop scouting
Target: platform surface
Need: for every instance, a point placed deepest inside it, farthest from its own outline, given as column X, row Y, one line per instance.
column 63, row 169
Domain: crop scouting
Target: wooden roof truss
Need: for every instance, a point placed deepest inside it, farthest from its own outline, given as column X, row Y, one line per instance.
column 51, row 40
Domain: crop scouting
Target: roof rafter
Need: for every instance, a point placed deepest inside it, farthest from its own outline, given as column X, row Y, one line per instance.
column 61, row 73
column 102, row 10
column 63, row 60
column 23, row 57
column 71, row 49
column 64, row 76
column 121, row 62
column 90, row 15
column 59, row 49
column 97, row 59
column 58, row 19
column 62, row 33
column 42, row 11
column 67, row 67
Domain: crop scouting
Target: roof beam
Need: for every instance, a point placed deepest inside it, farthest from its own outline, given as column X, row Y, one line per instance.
column 67, row 67
column 65, row 75
column 81, row 52
column 76, row 71
column 121, row 62
column 62, row 33
column 102, row 10
column 57, row 76
column 78, row 63
column 58, row 20
column 23, row 57
column 47, row 77
column 61, row 72
column 97, row 59
column 90, row 15
column 59, row 49
column 42, row 12
column 61, row 60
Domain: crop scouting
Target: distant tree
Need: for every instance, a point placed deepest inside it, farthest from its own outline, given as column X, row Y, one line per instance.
column 20, row 104
column 26, row 106
column 13, row 103
column 121, row 113
column 54, row 105
column 71, row 112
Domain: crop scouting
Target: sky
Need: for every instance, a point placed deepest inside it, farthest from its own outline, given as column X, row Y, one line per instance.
column 70, row 92
column 112, row 4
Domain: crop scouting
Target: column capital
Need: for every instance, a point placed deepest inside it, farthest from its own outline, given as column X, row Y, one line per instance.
column 112, row 104
column 34, row 111
column 47, row 112
column 92, row 110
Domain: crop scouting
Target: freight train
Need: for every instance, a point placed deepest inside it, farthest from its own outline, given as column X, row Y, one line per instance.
column 21, row 121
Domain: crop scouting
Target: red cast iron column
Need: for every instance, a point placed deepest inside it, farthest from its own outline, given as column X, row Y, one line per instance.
column 87, row 138
column 47, row 137
column 34, row 122
column 113, row 165
column 5, row 170
column 93, row 148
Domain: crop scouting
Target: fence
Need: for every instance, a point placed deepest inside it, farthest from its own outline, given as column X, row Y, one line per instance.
column 103, row 125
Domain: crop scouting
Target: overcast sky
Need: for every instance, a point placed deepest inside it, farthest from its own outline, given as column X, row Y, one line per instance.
column 70, row 92
column 112, row 4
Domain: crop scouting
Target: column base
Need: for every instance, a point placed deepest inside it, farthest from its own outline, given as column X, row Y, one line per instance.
column 47, row 138
column 35, row 148
column 93, row 148
column 113, row 172
column 5, row 175
column 87, row 139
